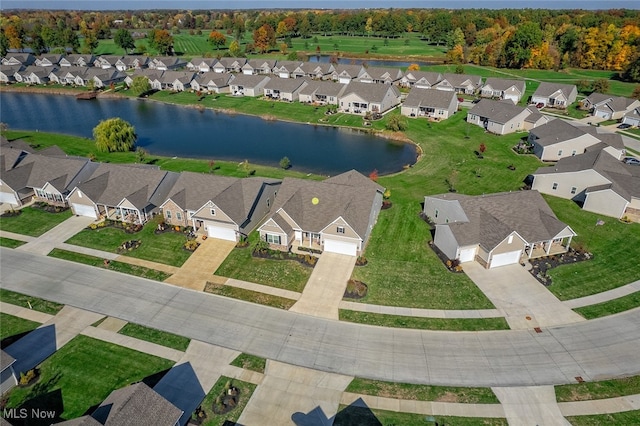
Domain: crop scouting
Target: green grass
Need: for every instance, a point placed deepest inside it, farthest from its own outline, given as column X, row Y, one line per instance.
column 598, row 390
column 125, row 268
column 611, row 307
column 250, row 296
column 10, row 243
column 29, row 302
column 82, row 374
column 250, row 362
column 33, row 221
column 624, row 418
column 246, row 390
column 159, row 337
column 450, row 324
column 162, row 248
column 285, row 274
column 359, row 416
column 10, row 325
column 613, row 245
column 461, row 395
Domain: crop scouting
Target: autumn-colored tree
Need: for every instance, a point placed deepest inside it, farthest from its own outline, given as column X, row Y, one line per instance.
column 161, row 40
column 234, row 49
column 455, row 55
column 283, row 48
column 264, row 38
column 482, row 148
column 217, row 39
column 14, row 36
column 281, row 30
column 374, row 175
column 413, row 67
column 601, row 85
column 636, row 93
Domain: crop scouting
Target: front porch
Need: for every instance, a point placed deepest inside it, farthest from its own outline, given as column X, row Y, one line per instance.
column 122, row 214
column 547, row 248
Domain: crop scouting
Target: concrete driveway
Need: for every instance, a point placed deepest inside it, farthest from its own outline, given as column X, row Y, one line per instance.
column 58, row 235
column 325, row 288
column 518, row 295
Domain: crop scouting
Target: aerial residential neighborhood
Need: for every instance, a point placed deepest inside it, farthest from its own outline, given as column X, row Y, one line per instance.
column 347, row 216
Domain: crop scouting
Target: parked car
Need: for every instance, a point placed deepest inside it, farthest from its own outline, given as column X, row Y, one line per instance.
column 632, row 161
column 624, row 126
column 475, row 101
column 539, row 105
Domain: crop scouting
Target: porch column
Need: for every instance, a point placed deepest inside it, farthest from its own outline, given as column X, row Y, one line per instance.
column 531, row 250
column 548, row 249
column 569, row 242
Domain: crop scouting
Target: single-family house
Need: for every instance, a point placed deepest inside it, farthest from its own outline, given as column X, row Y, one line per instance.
column 103, row 77
column 344, row 74
column 609, row 107
column 248, row 85
column 496, row 229
column 323, row 92
column 612, row 143
column 314, row 70
column 177, row 81
column 165, row 63
column 69, row 75
column 431, row 103
column 77, row 60
column 535, row 119
column 364, row 98
column 632, row 118
column 502, row 88
column 381, row 75
column 25, row 59
column 122, row 192
column 201, row 64
column 34, row 75
column 8, row 378
column 285, row 69
column 597, row 181
column 258, row 66
column 48, row 60
column 233, row 65
column 499, row 117
column 420, row 79
column 106, row 61
column 460, row 83
column 212, row 82
column 150, row 74
column 555, row 95
column 132, row 62
column 335, row 215
column 218, row 206
column 8, row 73
column 285, row 89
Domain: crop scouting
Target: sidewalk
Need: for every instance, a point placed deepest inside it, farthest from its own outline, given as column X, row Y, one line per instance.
column 532, row 405
column 605, row 296
column 25, row 313
column 14, row 236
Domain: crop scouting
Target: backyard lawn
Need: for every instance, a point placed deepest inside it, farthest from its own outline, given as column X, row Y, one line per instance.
column 162, row 248
column 11, row 326
column 33, row 221
column 82, row 374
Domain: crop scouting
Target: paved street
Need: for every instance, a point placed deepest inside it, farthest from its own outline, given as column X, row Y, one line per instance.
column 594, row 350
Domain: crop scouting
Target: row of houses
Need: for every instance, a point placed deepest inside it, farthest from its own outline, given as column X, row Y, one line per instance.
column 334, row 215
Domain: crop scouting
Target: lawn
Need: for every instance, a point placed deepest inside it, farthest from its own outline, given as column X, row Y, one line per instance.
column 611, row 307
column 285, row 274
column 624, row 418
column 10, row 243
column 249, row 296
column 615, row 247
column 598, row 390
column 152, row 335
column 11, row 326
column 359, row 416
column 461, row 395
column 29, row 302
column 125, row 268
column 162, row 248
column 33, row 221
column 245, row 391
column 250, row 362
column 82, row 374
column 449, row 324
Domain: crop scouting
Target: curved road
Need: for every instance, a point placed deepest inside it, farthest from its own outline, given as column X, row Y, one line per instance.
column 594, row 349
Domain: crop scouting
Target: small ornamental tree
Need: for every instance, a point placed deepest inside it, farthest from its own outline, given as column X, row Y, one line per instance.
column 217, row 39
column 374, row 175
column 285, row 163
column 482, row 148
column 114, row 135
column 413, row 67
column 140, row 85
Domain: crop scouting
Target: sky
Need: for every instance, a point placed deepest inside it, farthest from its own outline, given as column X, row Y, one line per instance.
column 314, row 4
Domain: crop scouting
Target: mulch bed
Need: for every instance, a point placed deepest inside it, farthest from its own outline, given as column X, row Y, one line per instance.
column 542, row 265
column 11, row 213
column 450, row 264
column 386, row 205
column 228, row 402
column 128, row 246
column 49, row 208
column 355, row 289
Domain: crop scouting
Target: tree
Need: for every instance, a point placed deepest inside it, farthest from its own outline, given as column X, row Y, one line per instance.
column 124, row 40
column 636, row 93
column 114, row 135
column 285, row 163
column 583, row 85
column 90, row 42
column 217, row 39
column 161, row 40
column 140, row 85
column 4, row 44
column 264, row 38
column 413, row 67
column 455, row 38
column 141, row 155
column 234, row 49
column 455, row 55
column 374, row 175
column 517, row 50
column 632, row 73
column 396, row 124
column 601, row 85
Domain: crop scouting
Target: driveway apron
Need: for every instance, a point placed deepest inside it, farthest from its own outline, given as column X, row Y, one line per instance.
column 525, row 302
column 533, row 405
column 325, row 288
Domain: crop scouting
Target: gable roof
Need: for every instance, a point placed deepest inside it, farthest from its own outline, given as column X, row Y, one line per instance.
column 287, row 85
column 497, row 111
column 458, row 80
column 503, row 84
column 249, row 80
column 429, row 97
column 5, row 360
column 429, row 76
column 547, row 89
column 556, row 131
column 323, row 87
column 370, row 92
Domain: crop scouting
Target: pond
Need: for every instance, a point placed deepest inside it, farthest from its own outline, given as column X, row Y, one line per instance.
column 171, row 130
column 371, row 62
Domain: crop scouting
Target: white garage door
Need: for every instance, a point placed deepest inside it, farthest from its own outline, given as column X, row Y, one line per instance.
column 82, row 210
column 341, row 247
column 6, row 197
column 221, row 233
column 467, row 255
column 505, row 259
column 602, row 114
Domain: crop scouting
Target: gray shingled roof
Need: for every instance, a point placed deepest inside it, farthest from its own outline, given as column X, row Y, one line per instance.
column 370, row 92
column 493, row 217
column 352, row 70
column 547, row 89
column 503, row 84
column 137, row 405
column 431, row 77
column 429, row 98
column 457, row 80
column 287, row 85
column 35, row 170
column 323, row 87
column 219, row 79
column 249, row 80
column 379, row 72
column 615, row 103
column 5, row 360
column 289, row 66
column 556, row 131
column 192, row 190
column 497, row 111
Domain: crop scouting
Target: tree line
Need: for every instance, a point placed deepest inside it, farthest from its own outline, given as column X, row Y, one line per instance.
column 516, row 38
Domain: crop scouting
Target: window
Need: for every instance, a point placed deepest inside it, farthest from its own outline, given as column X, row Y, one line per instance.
column 510, row 240
column 573, row 152
column 555, row 186
column 340, row 230
column 559, row 152
column 573, row 189
column 213, row 212
column 268, row 203
column 178, row 216
column 273, row 239
column 168, row 214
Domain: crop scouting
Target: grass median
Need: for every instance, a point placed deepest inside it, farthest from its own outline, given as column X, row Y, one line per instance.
column 12, row 326
column 598, row 390
column 610, row 307
column 448, row 324
column 10, row 243
column 358, row 416
column 158, row 337
column 29, row 302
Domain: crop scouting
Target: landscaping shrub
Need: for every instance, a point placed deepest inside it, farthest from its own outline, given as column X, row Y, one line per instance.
column 355, row 289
